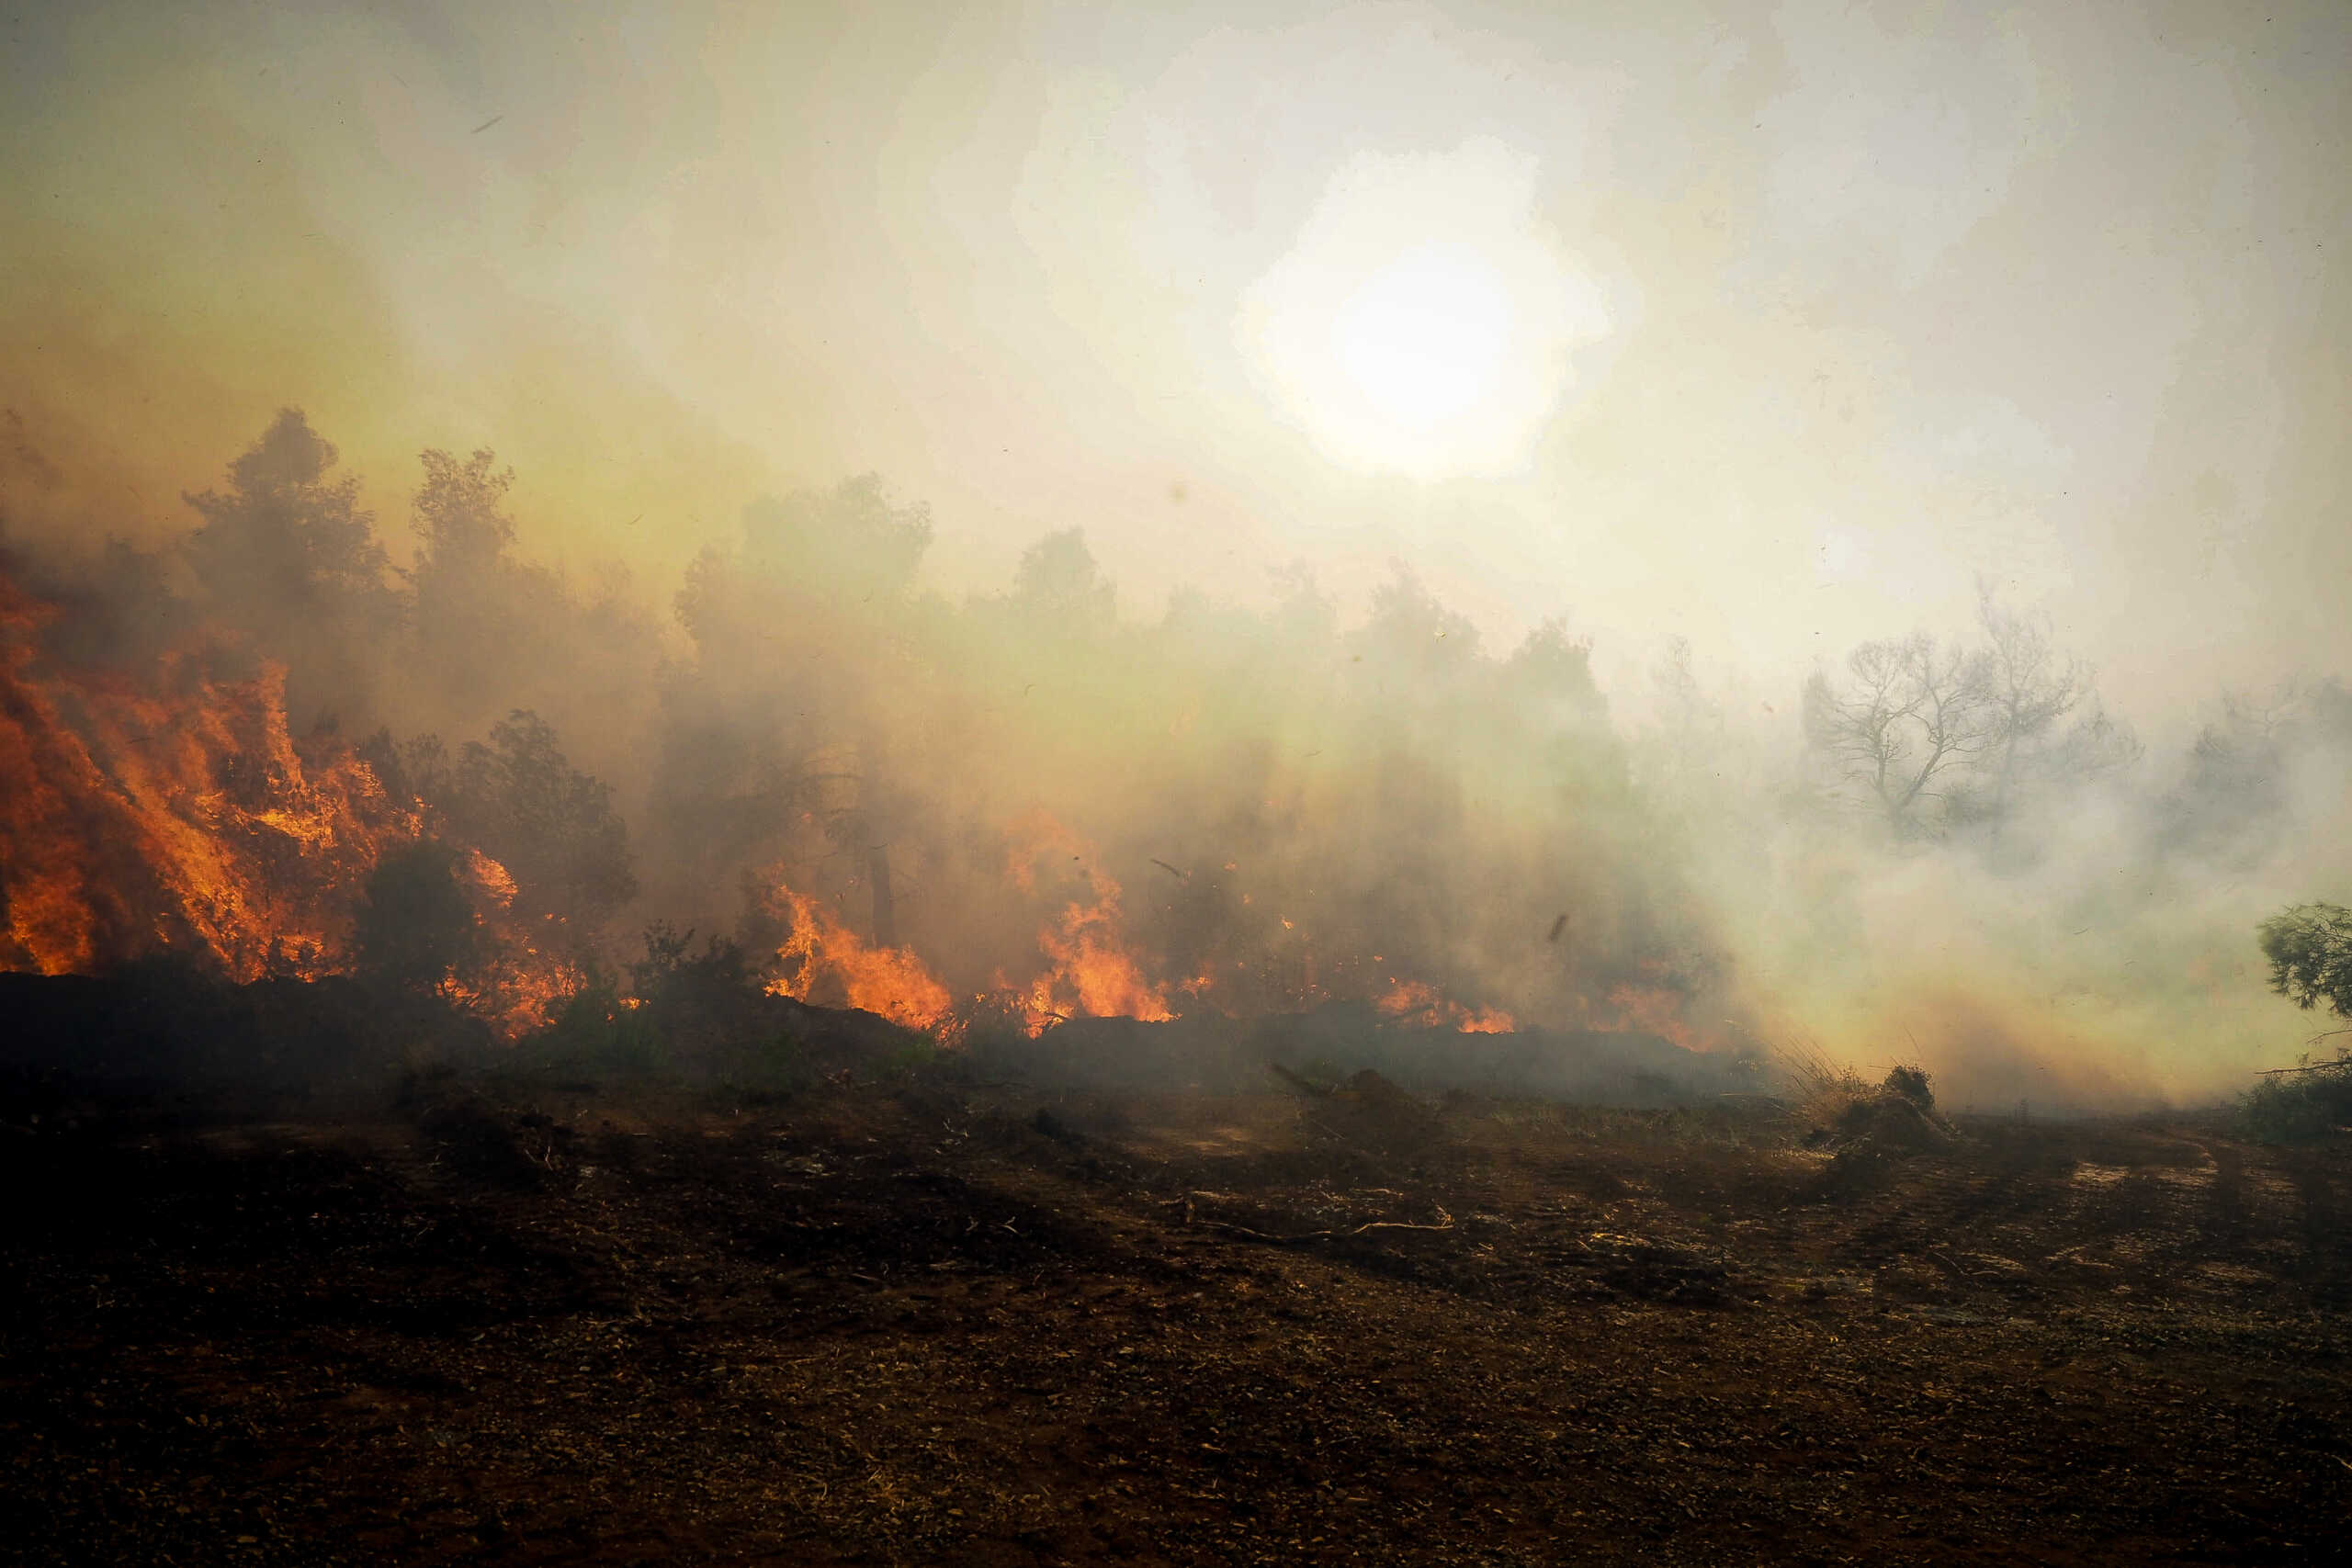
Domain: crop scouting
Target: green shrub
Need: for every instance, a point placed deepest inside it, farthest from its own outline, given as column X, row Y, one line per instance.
column 2300, row 1105
column 600, row 1031
column 2310, row 949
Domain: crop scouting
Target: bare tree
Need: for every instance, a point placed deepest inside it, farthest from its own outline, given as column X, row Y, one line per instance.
column 2034, row 690
column 1915, row 720
column 1937, row 737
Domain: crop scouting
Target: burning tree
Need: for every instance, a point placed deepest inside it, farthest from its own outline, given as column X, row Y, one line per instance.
column 804, row 639
column 554, row 827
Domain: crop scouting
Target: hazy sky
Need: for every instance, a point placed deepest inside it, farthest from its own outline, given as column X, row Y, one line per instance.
column 1768, row 326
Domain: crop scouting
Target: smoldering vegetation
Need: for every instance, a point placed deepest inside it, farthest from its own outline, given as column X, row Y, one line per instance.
column 1945, row 850
column 1951, row 853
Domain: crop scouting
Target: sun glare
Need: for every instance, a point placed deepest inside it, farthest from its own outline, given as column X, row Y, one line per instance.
column 1424, row 338
column 1423, row 322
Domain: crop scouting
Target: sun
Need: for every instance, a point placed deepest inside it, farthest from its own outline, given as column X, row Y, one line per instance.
column 1424, row 321
column 1426, row 337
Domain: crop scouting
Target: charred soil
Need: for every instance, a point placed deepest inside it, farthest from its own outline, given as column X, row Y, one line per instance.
column 899, row 1315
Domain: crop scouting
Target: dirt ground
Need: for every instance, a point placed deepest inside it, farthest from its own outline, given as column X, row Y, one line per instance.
column 897, row 1318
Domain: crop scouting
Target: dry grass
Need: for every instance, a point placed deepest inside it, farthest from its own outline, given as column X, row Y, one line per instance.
column 1835, row 1104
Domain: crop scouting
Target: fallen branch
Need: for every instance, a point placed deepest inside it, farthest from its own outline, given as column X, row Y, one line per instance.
column 1951, row 1265
column 1446, row 1224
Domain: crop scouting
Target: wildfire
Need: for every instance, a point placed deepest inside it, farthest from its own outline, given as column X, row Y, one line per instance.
column 1413, row 1002
column 173, row 814
column 823, row 957
column 1092, row 971
column 171, row 810
column 517, row 987
column 1657, row 1010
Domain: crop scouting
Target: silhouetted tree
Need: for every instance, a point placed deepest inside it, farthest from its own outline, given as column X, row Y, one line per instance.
column 851, row 542
column 2034, row 690
column 460, row 525
column 1935, row 737
column 2234, row 804
column 1907, row 727
column 805, row 642
column 416, row 928
column 285, row 534
column 554, row 828
column 286, row 555
column 1551, row 671
column 1060, row 583
column 483, row 622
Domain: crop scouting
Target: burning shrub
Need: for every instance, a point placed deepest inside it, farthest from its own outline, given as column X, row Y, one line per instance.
column 704, row 1011
column 820, row 961
column 988, row 1022
column 520, row 799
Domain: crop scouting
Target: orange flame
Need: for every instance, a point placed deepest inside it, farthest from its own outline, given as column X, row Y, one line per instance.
column 1091, row 972
column 174, row 811
column 1660, row 1011
column 520, row 989
column 1423, row 1005
column 177, row 814
column 887, row 980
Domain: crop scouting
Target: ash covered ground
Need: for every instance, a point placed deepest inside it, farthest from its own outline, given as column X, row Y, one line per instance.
column 876, row 1303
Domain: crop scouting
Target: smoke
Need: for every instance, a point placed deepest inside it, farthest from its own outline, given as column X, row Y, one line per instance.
column 1889, row 300
column 1273, row 808
column 1226, row 809
column 1219, row 809
column 2087, row 943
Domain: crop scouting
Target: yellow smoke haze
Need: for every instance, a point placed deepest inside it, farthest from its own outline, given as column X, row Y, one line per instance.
column 1770, row 329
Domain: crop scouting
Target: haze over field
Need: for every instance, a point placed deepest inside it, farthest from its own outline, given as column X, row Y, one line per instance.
column 1479, row 424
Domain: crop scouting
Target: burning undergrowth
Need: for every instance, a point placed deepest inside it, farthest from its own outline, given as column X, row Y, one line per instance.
column 975, row 820
column 171, row 812
column 174, row 813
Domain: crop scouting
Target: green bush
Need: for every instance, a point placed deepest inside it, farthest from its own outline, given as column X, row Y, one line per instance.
column 2300, row 1105
column 2310, row 949
column 600, row 1031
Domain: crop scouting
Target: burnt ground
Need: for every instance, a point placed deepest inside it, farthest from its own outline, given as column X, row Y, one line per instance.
column 896, row 1317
